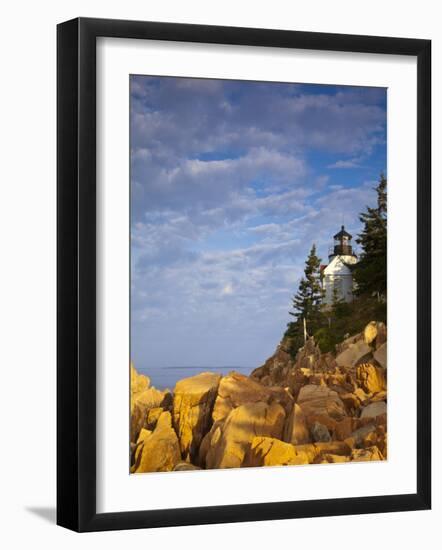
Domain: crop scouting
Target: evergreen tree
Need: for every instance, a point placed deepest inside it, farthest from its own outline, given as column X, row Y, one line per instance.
column 307, row 301
column 371, row 271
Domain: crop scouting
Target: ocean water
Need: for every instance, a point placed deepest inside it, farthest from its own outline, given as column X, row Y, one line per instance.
column 167, row 377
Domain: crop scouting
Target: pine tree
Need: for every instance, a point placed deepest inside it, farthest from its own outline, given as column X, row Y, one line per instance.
column 307, row 301
column 371, row 271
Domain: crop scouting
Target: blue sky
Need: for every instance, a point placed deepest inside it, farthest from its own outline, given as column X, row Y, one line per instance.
column 231, row 183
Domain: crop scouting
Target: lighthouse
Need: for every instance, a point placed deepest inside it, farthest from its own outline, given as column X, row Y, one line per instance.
column 337, row 276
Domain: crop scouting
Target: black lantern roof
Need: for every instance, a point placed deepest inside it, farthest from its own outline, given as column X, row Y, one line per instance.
column 343, row 233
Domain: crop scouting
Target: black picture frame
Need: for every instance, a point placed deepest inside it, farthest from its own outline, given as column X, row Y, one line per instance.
column 77, row 287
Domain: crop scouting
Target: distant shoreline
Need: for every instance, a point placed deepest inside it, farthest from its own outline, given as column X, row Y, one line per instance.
column 167, row 377
column 231, row 367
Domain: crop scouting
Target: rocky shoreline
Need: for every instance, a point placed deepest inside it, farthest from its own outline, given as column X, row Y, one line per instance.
column 314, row 408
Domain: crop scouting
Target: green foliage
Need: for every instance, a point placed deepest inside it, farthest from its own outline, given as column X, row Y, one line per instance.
column 326, row 338
column 332, row 325
column 370, row 273
column 294, row 337
column 335, row 324
column 346, row 319
column 307, row 303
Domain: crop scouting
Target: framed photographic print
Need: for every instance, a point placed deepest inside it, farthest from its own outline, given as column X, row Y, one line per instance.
column 243, row 233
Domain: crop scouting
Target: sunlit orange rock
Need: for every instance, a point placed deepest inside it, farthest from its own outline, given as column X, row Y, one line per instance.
column 268, row 451
column 192, row 410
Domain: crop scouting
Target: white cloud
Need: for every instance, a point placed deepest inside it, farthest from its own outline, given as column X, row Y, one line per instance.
column 227, row 290
column 350, row 163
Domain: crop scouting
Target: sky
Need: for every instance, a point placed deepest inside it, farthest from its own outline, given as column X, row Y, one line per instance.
column 231, row 184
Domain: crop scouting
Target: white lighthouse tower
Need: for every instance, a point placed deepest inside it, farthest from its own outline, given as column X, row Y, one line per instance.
column 337, row 277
